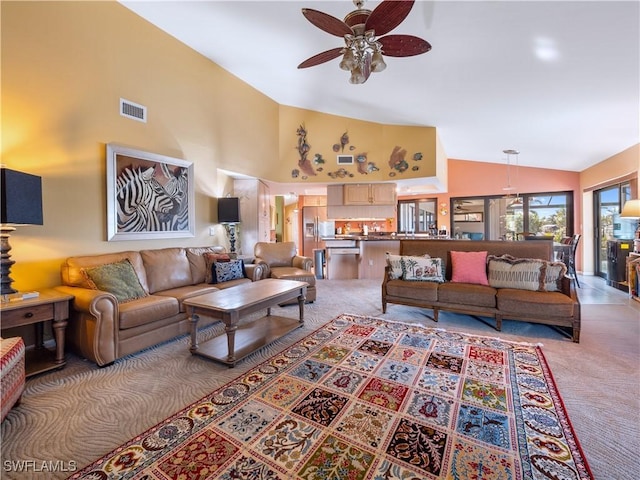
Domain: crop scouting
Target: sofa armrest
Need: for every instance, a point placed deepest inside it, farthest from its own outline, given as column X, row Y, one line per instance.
column 254, row 271
column 264, row 266
column 305, row 263
column 386, row 277
column 94, row 323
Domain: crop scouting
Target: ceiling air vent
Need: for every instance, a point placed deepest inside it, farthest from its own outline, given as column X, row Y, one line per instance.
column 133, row 110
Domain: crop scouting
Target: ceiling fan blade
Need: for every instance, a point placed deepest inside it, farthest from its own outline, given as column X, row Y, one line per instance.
column 327, row 22
column 388, row 15
column 403, row 45
column 321, row 58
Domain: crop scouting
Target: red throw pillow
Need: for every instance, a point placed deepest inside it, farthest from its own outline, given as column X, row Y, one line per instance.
column 469, row 267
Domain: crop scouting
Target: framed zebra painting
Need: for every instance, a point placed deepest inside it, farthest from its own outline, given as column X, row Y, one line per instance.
column 149, row 196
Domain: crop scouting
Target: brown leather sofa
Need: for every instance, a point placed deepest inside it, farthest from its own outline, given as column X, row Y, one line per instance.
column 103, row 330
column 560, row 309
column 280, row 260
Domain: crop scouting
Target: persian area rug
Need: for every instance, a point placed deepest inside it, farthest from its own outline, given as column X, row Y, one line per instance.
column 366, row 398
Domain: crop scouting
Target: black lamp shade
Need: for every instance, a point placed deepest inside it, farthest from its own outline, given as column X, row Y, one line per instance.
column 229, row 210
column 21, row 196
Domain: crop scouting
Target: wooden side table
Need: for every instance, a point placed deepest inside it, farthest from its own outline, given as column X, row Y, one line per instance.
column 49, row 305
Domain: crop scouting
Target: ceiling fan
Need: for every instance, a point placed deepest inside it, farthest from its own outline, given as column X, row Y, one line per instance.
column 459, row 205
column 364, row 47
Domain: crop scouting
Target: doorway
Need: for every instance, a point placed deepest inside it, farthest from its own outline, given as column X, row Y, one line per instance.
column 607, row 206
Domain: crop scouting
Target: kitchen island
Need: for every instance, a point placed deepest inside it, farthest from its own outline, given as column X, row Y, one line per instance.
column 362, row 256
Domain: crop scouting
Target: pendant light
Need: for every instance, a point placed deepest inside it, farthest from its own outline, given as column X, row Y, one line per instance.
column 517, row 201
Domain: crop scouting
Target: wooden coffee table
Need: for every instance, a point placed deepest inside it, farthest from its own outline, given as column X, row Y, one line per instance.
column 231, row 304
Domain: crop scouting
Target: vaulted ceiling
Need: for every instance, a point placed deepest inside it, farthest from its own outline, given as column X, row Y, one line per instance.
column 557, row 80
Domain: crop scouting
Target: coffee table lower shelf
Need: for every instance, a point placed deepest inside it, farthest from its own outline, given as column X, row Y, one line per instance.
column 232, row 305
column 248, row 338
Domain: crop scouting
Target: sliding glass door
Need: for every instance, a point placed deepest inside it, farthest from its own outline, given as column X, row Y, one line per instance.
column 608, row 203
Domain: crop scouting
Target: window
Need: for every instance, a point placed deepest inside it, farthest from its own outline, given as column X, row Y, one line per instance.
column 513, row 217
column 417, row 216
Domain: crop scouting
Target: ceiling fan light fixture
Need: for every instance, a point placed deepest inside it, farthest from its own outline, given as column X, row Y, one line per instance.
column 348, row 60
column 377, row 62
column 357, row 77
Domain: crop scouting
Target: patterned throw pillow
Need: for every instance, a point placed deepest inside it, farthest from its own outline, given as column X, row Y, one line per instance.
column 422, row 269
column 469, row 267
column 522, row 273
column 226, row 271
column 209, row 261
column 394, row 261
column 118, row 278
column 554, row 272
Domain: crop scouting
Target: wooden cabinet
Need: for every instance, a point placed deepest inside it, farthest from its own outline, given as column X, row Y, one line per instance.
column 383, row 193
column 335, row 195
column 370, row 194
column 357, row 195
column 361, row 201
column 314, row 201
column 255, row 213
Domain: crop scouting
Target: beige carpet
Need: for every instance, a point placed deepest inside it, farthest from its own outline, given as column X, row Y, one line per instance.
column 70, row 417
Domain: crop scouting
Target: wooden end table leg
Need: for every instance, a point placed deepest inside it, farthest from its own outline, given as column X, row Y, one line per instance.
column 58, row 332
column 194, row 331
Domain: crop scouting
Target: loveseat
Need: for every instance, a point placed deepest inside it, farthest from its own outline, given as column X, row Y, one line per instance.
column 522, row 282
column 143, row 306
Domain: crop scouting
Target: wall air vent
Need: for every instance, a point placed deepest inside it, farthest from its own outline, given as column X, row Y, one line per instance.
column 133, row 110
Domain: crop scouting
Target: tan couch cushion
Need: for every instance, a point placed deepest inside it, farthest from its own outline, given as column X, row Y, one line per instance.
column 293, row 273
column 147, row 310
column 195, row 255
column 166, row 268
column 423, row 291
column 467, row 294
column 539, row 304
column 73, row 276
column 189, row 291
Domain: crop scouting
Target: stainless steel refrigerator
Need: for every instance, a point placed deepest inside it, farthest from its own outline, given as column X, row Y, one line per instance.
column 316, row 226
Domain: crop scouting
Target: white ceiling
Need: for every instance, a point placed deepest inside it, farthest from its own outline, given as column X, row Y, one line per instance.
column 557, row 80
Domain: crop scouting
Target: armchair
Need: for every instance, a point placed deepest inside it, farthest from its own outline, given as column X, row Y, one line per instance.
column 280, row 260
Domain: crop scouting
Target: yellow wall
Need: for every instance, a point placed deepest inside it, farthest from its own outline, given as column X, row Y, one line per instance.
column 65, row 66
column 375, row 140
column 620, row 165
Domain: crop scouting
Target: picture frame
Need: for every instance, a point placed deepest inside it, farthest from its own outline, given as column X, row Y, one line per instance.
column 345, row 159
column 149, row 196
column 468, row 217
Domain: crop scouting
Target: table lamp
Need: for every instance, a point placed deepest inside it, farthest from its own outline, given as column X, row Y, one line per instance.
column 229, row 216
column 20, row 204
column 631, row 209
